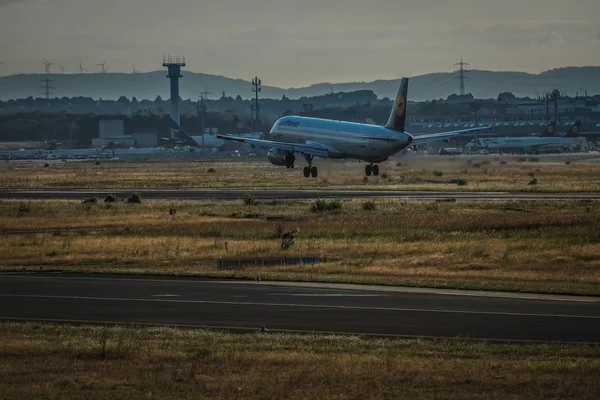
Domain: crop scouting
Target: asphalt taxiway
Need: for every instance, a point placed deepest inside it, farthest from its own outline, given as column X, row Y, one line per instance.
column 285, row 307
column 274, row 194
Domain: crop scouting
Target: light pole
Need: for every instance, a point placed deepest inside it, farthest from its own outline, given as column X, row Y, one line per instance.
column 200, row 114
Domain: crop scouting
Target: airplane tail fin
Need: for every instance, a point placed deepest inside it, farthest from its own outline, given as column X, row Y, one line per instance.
column 550, row 129
column 397, row 118
column 181, row 133
column 574, row 131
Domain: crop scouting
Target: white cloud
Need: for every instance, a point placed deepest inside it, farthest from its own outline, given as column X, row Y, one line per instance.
column 548, row 38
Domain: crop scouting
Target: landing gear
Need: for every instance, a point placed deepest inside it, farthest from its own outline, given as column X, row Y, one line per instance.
column 289, row 160
column 310, row 170
column 372, row 169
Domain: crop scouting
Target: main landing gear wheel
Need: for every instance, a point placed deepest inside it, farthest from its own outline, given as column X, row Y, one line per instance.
column 314, row 172
column 306, row 172
column 372, row 169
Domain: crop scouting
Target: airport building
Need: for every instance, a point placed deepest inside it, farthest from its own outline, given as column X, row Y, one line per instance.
column 112, row 134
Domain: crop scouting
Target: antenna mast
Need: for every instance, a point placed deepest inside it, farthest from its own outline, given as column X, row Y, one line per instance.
column 256, row 108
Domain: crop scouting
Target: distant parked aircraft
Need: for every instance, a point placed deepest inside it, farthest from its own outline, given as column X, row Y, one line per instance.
column 547, row 141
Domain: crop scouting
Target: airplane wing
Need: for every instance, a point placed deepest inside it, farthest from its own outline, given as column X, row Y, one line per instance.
column 435, row 137
column 310, row 148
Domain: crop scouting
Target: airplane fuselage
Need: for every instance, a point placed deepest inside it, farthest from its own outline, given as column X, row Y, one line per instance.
column 343, row 139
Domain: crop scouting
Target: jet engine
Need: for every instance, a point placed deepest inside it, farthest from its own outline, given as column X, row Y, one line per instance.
column 282, row 158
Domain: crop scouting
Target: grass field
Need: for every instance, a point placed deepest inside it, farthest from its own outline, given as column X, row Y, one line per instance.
column 68, row 362
column 480, row 173
column 550, row 247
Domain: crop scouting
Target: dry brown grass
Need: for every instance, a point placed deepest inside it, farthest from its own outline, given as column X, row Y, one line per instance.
column 521, row 246
column 48, row 361
column 483, row 173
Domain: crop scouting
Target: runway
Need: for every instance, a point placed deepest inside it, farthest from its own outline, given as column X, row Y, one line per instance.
column 281, row 194
column 281, row 307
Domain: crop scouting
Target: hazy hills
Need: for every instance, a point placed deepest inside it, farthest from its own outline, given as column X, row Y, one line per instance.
column 482, row 84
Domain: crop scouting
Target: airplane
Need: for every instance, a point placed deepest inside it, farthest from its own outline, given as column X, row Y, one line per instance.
column 315, row 137
column 209, row 140
column 549, row 131
column 534, row 144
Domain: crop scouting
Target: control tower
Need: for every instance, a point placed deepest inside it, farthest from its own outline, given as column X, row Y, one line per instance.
column 174, row 73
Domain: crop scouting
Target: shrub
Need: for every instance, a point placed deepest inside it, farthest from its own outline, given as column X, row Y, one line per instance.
column 532, row 174
column 503, row 162
column 111, row 198
column 279, row 230
column 324, row 205
column 98, row 163
column 211, row 170
column 567, row 162
column 250, row 200
column 369, row 205
column 46, row 165
column 134, row 199
column 91, row 200
column 438, row 173
column 462, row 182
column 533, row 181
column 52, row 254
column 24, row 208
column 288, row 239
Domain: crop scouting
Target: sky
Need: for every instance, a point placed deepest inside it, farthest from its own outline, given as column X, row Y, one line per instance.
column 292, row 43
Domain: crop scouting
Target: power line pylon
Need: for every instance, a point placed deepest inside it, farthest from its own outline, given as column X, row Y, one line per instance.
column 463, row 69
column 205, row 94
column 47, row 87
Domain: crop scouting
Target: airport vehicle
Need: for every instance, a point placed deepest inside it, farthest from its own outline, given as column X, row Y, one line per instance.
column 546, row 142
column 314, row 137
